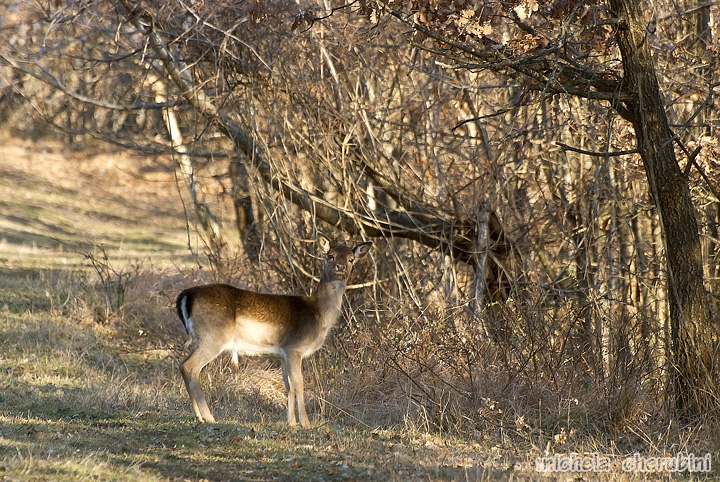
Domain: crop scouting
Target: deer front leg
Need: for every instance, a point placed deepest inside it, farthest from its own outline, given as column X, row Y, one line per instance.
column 296, row 389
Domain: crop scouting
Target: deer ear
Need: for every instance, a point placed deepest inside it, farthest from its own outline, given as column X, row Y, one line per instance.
column 324, row 242
column 362, row 249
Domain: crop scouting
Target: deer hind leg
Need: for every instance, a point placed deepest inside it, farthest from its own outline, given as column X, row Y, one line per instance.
column 190, row 370
column 290, row 391
column 292, row 375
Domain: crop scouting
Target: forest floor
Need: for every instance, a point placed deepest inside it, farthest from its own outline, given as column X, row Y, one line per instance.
column 93, row 250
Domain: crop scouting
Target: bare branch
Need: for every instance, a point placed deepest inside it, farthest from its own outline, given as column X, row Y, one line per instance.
column 550, row 76
column 56, row 83
column 597, row 154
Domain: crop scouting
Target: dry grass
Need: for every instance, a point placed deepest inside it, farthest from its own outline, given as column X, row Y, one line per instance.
column 89, row 388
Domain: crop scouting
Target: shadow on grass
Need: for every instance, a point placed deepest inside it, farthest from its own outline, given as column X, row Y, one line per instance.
column 51, row 426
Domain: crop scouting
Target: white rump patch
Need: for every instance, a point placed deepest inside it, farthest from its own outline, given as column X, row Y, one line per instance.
column 187, row 320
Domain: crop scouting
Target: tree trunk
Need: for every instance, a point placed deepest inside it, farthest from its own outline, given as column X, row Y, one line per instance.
column 208, row 222
column 691, row 370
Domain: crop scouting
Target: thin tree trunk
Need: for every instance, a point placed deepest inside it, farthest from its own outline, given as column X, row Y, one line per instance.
column 480, row 281
column 207, row 220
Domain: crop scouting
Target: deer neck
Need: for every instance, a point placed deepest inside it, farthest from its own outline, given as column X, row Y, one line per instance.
column 329, row 298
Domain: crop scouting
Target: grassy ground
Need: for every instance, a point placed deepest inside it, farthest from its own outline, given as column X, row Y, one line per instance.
column 89, row 387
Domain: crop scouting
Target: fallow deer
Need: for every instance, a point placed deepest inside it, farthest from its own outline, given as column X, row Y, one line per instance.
column 221, row 318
